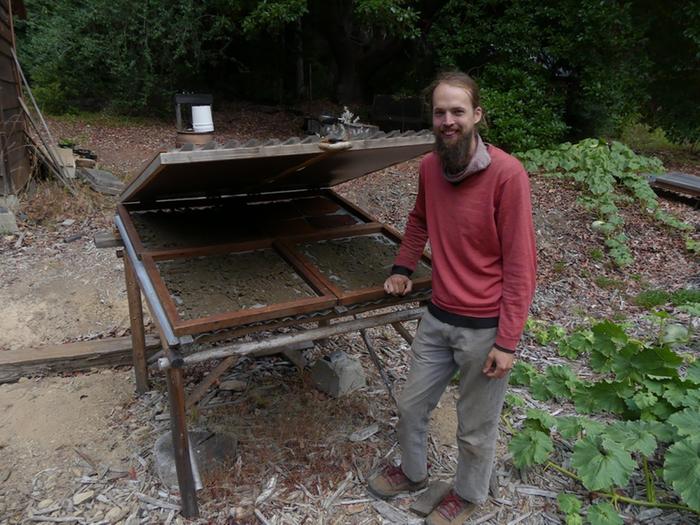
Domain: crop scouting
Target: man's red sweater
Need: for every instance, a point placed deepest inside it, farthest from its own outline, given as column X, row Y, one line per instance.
column 482, row 242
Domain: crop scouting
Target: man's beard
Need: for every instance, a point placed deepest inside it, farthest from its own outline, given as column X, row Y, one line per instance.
column 455, row 156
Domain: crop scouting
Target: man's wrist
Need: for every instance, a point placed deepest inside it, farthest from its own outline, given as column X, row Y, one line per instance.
column 401, row 270
column 503, row 349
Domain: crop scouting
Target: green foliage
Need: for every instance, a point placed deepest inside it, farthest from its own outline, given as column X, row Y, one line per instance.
column 685, row 296
column 522, row 373
column 610, row 175
column 682, row 470
column 643, row 386
column 568, row 503
column 651, row 298
column 520, row 113
column 602, row 463
column 581, row 341
column 603, row 514
column 530, row 447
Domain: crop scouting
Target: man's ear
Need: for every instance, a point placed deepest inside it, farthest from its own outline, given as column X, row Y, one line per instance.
column 478, row 113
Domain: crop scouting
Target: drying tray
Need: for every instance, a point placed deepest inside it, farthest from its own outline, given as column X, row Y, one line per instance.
column 230, row 236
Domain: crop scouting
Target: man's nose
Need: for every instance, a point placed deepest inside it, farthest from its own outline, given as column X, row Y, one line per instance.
column 449, row 118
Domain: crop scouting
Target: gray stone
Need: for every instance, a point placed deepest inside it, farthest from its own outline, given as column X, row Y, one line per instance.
column 429, row 499
column 8, row 224
column 101, row 181
column 212, row 451
column 9, row 201
column 338, row 374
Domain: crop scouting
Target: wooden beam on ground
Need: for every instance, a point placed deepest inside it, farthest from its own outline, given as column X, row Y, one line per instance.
column 69, row 357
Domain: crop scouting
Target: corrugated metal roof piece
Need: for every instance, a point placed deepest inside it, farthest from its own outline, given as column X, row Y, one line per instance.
column 270, row 166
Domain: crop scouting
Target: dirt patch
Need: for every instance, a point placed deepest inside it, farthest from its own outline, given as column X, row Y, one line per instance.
column 43, row 422
column 63, row 292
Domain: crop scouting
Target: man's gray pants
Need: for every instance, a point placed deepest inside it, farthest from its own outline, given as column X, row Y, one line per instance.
column 438, row 351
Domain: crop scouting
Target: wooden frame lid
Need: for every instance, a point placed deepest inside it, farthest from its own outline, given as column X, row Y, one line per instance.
column 272, row 166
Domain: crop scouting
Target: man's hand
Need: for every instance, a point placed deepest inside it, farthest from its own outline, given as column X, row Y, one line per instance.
column 398, row 284
column 498, row 363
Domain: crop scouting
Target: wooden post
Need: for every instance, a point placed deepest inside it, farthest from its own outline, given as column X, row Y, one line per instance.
column 138, row 339
column 178, row 427
column 401, row 330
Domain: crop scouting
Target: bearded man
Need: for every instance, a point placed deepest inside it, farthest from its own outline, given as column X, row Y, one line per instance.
column 473, row 205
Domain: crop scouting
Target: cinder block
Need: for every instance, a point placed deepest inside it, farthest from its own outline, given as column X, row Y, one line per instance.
column 8, row 224
column 338, row 374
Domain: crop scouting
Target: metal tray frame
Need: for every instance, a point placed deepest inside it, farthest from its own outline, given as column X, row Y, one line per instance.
column 329, row 294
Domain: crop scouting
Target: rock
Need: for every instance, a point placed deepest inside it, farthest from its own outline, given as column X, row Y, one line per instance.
column 234, row 385
column 101, row 181
column 338, row 374
column 212, row 452
column 115, row 514
column 68, row 222
column 83, row 497
column 8, row 224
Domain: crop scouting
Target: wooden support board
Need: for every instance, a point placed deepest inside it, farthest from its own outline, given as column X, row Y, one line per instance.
column 69, row 357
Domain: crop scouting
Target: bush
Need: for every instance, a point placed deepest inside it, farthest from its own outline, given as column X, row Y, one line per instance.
column 520, row 113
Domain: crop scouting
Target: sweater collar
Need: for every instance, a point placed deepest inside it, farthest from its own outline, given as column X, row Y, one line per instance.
column 479, row 161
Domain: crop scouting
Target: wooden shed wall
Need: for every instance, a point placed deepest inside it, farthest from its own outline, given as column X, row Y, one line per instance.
column 15, row 163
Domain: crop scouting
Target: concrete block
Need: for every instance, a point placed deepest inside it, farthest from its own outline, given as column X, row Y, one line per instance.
column 429, row 499
column 8, row 224
column 10, row 202
column 338, row 374
column 101, row 181
column 212, row 452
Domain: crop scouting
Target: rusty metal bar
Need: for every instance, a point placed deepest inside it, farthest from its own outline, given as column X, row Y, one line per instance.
column 138, row 338
column 149, row 292
column 178, row 427
column 165, row 363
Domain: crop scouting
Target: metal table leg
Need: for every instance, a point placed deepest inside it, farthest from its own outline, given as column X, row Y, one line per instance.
column 178, row 426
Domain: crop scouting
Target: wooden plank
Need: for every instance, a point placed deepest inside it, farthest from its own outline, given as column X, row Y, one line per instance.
column 108, row 239
column 6, row 49
column 228, row 320
column 353, row 230
column 8, row 97
column 203, row 387
column 69, row 357
column 308, row 269
column 321, row 320
column 377, row 292
column 212, row 249
column 319, row 283
column 350, row 206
